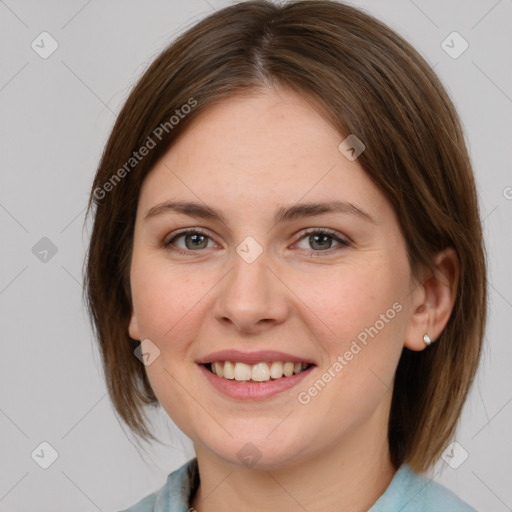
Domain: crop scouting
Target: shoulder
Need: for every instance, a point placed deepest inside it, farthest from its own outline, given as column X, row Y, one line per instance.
column 412, row 492
column 174, row 495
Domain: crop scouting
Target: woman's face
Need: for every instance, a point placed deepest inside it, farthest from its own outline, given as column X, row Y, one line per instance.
column 266, row 281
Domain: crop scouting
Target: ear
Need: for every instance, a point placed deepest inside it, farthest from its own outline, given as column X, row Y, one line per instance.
column 433, row 300
column 133, row 327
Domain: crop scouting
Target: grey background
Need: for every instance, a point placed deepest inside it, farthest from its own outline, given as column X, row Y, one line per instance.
column 56, row 116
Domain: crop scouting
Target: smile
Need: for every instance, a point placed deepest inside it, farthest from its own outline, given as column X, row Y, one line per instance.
column 240, row 380
column 259, row 372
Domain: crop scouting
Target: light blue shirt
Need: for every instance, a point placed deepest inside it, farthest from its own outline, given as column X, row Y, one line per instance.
column 407, row 492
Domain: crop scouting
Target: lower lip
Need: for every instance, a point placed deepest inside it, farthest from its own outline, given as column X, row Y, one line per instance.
column 253, row 390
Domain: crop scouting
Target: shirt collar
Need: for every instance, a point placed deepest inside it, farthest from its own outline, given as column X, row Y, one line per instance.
column 407, row 489
column 179, row 489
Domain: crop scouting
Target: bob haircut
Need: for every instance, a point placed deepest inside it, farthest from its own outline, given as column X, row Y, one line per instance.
column 365, row 80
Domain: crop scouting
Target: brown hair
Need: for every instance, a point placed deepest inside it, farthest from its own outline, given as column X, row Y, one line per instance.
column 367, row 81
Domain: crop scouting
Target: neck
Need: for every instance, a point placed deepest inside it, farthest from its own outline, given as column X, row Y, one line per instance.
column 349, row 478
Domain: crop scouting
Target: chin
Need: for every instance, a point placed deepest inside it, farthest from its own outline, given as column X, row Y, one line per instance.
column 258, row 453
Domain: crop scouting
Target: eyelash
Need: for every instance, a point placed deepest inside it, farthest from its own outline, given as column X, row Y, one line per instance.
column 199, row 231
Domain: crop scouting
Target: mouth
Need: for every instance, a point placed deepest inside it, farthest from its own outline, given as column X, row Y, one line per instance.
column 260, row 372
column 255, row 382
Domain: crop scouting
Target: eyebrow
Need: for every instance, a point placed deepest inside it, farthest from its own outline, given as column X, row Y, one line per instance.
column 282, row 214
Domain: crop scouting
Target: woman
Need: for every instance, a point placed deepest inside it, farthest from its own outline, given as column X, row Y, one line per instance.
column 287, row 255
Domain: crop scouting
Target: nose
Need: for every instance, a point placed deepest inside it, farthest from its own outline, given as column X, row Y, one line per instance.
column 252, row 297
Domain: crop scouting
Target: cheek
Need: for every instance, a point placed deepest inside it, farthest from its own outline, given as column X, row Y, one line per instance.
column 357, row 314
column 168, row 308
column 164, row 297
column 359, row 321
column 351, row 298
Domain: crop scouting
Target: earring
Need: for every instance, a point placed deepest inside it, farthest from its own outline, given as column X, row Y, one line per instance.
column 427, row 340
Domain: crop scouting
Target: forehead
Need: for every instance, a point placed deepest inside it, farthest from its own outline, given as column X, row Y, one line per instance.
column 264, row 128
column 268, row 148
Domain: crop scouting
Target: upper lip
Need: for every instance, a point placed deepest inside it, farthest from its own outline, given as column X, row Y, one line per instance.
column 252, row 357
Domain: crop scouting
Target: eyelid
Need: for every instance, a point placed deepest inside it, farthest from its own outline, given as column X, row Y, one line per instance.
column 343, row 240
column 186, row 231
column 327, row 231
column 183, row 232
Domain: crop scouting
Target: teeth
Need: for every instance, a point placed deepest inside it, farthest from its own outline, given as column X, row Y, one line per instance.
column 229, row 370
column 242, row 371
column 288, row 369
column 260, row 372
column 276, row 370
column 218, row 369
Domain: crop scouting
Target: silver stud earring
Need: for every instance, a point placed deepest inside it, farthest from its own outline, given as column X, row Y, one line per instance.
column 427, row 340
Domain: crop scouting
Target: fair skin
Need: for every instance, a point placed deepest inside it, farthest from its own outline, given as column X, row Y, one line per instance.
column 246, row 157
